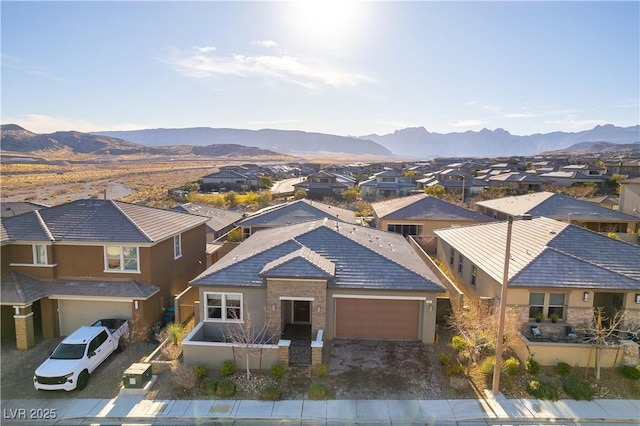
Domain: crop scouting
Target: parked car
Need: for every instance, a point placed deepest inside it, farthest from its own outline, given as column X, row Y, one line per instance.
column 79, row 354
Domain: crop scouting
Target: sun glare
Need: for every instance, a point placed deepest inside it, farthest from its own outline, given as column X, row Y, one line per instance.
column 324, row 21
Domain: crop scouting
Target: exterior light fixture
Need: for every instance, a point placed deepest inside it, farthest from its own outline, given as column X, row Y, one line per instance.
column 430, row 303
column 318, row 309
column 273, row 306
column 585, row 296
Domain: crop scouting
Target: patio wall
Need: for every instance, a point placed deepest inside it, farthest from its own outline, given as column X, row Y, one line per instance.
column 197, row 351
column 551, row 353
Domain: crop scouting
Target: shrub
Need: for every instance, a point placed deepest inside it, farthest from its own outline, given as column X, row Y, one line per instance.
column 578, row 388
column 185, row 377
column 209, row 387
column 317, row 391
column 458, row 343
column 175, row 332
column 201, row 372
column 271, row 393
column 320, row 371
column 227, row 368
column 444, row 358
column 563, row 369
column 511, row 366
column 542, row 390
column 487, row 366
column 630, row 372
column 277, row 371
column 532, row 366
column 454, row 370
column 225, row 388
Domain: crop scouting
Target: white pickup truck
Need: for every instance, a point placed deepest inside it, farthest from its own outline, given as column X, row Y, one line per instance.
column 79, row 354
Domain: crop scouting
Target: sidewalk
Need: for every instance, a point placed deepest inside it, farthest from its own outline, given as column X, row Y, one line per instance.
column 133, row 409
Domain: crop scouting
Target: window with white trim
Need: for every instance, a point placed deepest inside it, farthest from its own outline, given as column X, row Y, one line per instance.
column 39, row 254
column 177, row 246
column 121, row 259
column 223, row 306
column 460, row 263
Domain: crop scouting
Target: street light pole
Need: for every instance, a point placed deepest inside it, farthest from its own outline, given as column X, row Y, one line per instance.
column 495, row 388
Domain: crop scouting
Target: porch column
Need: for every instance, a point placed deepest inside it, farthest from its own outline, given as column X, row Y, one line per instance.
column 23, row 320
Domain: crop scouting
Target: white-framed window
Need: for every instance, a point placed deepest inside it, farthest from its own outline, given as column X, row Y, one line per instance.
column 460, row 263
column 39, row 254
column 177, row 246
column 121, row 259
column 474, row 275
column 223, row 306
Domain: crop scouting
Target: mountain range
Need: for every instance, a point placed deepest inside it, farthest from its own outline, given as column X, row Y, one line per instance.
column 407, row 143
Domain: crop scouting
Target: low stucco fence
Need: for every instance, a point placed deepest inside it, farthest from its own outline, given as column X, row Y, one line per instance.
column 196, row 350
column 575, row 354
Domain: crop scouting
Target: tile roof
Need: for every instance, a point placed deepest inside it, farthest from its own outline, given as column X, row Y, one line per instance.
column 548, row 253
column 555, row 206
column 301, row 263
column 425, row 207
column 297, row 212
column 99, row 221
column 364, row 258
column 218, row 218
column 18, row 288
column 16, row 208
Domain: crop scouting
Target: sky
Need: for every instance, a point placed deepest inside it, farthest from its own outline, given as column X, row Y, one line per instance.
column 338, row 67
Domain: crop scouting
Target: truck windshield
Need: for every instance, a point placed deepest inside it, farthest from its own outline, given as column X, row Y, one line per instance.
column 68, row 351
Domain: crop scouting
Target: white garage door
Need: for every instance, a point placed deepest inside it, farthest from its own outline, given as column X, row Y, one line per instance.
column 75, row 313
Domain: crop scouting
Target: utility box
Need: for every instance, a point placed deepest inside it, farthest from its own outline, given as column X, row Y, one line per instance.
column 137, row 375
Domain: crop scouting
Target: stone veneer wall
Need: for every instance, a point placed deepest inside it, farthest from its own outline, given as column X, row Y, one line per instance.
column 315, row 289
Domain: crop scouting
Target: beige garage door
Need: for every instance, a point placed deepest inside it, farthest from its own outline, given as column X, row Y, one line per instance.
column 75, row 313
column 377, row 318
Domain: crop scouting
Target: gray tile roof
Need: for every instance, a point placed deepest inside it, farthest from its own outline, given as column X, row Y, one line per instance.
column 297, row 212
column 364, row 258
column 16, row 208
column 18, row 288
column 99, row 221
column 548, row 253
column 555, row 206
column 301, row 263
column 425, row 207
column 218, row 218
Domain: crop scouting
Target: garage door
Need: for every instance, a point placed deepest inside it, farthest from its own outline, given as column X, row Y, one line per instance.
column 75, row 313
column 377, row 318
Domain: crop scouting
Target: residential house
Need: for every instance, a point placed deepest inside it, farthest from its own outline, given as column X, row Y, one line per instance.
column 555, row 268
column 72, row 264
column 227, row 180
column 569, row 178
column 292, row 213
column 630, row 196
column 453, row 182
column 629, row 168
column 321, row 185
column 346, row 280
column 386, row 184
column 562, row 208
column 605, row 201
column 521, row 182
column 421, row 214
column 220, row 221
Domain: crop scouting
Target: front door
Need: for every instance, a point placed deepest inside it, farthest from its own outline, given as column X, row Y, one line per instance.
column 301, row 311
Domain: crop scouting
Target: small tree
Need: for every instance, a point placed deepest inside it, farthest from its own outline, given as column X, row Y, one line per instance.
column 437, row 191
column 265, row 182
column 231, row 198
column 477, row 324
column 264, row 198
column 299, row 194
column 602, row 328
column 249, row 335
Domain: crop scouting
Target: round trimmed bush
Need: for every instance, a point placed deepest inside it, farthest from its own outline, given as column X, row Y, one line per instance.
column 209, row 387
column 277, row 371
column 630, row 372
column 532, row 366
column 271, row 393
column 511, row 366
column 318, row 391
column 226, row 388
column 444, row 358
column 578, row 388
column 228, row 368
column 458, row 343
column 542, row 390
column 563, row 369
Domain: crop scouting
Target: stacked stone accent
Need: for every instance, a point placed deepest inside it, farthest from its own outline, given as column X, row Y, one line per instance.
column 576, row 316
column 25, row 334
column 316, row 289
column 316, row 355
column 283, row 354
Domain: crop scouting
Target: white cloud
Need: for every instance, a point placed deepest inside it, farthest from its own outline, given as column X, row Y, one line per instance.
column 265, row 43
column 205, row 49
column 39, row 123
column 283, row 67
column 474, row 122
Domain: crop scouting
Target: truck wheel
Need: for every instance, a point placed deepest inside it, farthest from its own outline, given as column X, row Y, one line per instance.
column 83, row 380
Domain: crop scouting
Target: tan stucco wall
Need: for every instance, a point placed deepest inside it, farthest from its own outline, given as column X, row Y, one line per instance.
column 428, row 226
column 550, row 354
column 427, row 326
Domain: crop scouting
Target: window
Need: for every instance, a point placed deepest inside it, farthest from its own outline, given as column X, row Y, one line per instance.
column 39, row 254
column 177, row 246
column 452, row 255
column 474, row 274
column 223, row 306
column 556, row 304
column 539, row 303
column 460, row 263
column 98, row 341
column 405, row 229
column 536, row 304
column 121, row 259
